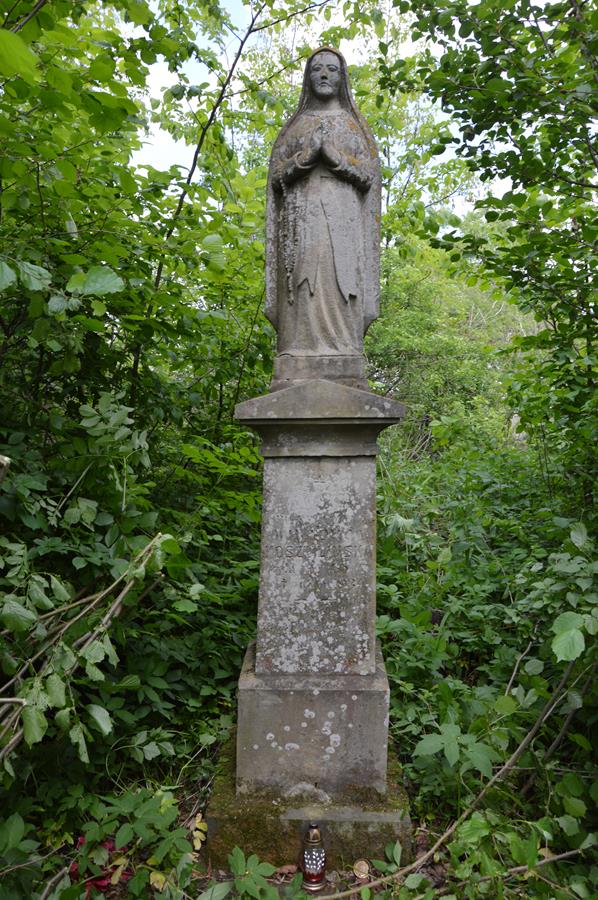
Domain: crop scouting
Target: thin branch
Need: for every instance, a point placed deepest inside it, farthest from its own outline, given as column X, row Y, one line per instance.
column 518, row 662
column 61, row 630
column 56, row 878
column 269, row 78
column 74, row 488
column 30, row 15
column 41, row 200
column 502, row 772
column 560, row 736
column 210, row 121
column 9, row 13
column 185, row 190
column 516, row 870
column 291, row 15
column 246, row 348
column 30, row 862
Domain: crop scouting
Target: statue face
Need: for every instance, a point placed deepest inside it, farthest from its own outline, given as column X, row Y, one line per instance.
column 325, row 75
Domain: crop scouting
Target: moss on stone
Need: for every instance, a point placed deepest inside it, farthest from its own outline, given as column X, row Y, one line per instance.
column 256, row 822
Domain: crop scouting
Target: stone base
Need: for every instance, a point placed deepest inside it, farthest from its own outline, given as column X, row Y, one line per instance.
column 316, row 732
column 349, row 370
column 356, row 825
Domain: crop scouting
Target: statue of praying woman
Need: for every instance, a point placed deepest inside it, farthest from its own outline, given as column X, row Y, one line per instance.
column 323, row 220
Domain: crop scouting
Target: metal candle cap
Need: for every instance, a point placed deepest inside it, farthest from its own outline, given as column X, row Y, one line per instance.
column 313, row 835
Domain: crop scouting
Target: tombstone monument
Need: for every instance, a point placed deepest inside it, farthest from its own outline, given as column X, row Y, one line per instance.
column 313, row 692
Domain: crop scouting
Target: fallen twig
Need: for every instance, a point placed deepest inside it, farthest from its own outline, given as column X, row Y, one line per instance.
column 502, row 772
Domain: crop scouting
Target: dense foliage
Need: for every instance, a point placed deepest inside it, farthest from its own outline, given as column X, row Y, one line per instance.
column 130, row 326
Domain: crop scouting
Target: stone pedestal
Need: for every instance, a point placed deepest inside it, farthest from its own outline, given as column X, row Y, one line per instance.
column 355, row 824
column 313, row 701
column 301, row 732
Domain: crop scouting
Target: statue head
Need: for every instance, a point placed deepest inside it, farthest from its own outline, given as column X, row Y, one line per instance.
column 326, row 79
column 324, row 73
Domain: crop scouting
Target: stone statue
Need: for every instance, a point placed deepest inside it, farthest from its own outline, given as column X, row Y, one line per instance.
column 323, row 220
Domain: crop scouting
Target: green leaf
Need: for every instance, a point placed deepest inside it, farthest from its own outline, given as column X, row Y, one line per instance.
column 429, row 744
column 474, row 829
column 151, row 750
column 397, row 852
column 56, row 690
column 57, row 304
column 567, row 621
column 63, row 718
column 93, row 672
column 579, row 534
column 575, row 806
column 12, row 832
column 451, row 751
column 534, row 666
column 481, row 757
column 16, row 58
column 217, row 891
column 59, row 590
column 98, row 308
column 101, row 717
column 505, row 705
column 35, row 278
column 77, row 737
column 569, row 642
column 569, row 645
column 7, row 276
column 101, row 280
column 17, row 617
column 110, row 651
column 35, row 725
column 129, row 683
column 236, row 861
column 185, row 605
column 266, row 869
column 569, row 825
column 95, row 652
column 75, row 283
column 124, row 834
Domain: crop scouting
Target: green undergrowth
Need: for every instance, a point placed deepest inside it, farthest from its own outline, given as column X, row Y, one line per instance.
column 487, row 589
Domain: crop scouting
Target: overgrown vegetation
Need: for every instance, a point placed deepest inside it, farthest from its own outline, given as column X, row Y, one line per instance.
column 130, row 326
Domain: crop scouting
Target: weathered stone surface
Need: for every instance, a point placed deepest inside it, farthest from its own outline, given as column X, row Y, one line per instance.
column 358, row 823
column 323, row 220
column 317, row 581
column 325, row 733
column 327, row 401
column 348, row 370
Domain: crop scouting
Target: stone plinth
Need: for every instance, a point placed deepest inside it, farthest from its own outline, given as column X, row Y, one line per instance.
column 298, row 732
column 313, row 707
column 358, row 823
column 349, row 370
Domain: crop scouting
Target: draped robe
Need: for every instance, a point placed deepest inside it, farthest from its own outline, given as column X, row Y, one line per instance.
column 321, row 236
